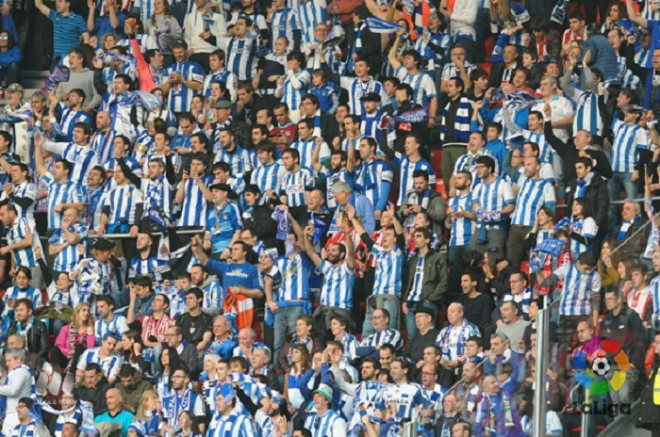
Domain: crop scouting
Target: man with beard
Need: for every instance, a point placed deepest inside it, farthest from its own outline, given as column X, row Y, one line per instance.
column 461, row 221
column 183, row 398
column 209, row 284
column 132, row 386
column 364, row 393
column 258, row 217
column 494, row 411
column 158, row 188
column 338, row 171
column 373, row 176
column 92, row 387
column 146, row 263
column 469, row 391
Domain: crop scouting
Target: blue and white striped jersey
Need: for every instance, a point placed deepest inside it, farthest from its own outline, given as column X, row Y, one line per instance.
column 282, row 23
column 25, row 189
column 374, row 126
column 330, row 424
column 158, row 195
column 407, row 397
column 422, row 84
column 523, row 299
column 627, row 78
column 154, row 267
column 468, row 162
column 627, row 139
column 110, row 364
column 386, row 336
column 461, row 228
column 103, row 143
column 586, row 227
column 82, row 158
column 534, row 194
column 59, row 194
column 238, row 160
column 432, row 59
column 294, row 276
column 389, row 268
column 337, row 290
column 225, row 76
column 268, row 177
column 123, row 202
column 180, row 96
column 24, row 257
column 587, row 115
column 416, row 294
column 214, row 295
column 578, row 290
column 310, row 13
column 517, row 17
column 118, row 326
column 494, row 197
column 306, row 149
column 452, row 339
column 350, row 344
column 295, row 185
column 68, row 120
column 234, row 425
column 374, row 179
column 357, row 89
column 66, row 260
column 406, row 169
column 296, row 85
column 242, row 57
column 195, row 205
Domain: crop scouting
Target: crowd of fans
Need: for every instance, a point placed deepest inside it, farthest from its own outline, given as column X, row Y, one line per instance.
column 245, row 218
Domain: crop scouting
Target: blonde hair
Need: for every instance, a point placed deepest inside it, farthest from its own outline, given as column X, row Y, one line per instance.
column 501, row 12
column 76, row 315
column 143, row 402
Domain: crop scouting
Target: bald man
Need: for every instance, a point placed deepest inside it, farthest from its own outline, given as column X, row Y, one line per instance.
column 116, row 413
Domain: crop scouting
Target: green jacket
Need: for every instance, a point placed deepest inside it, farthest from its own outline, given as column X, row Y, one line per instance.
column 435, row 277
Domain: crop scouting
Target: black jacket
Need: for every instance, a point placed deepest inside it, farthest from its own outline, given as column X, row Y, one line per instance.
column 649, row 412
column 370, row 48
column 497, row 73
column 249, row 112
column 95, row 395
column 37, row 337
column 415, row 348
column 637, row 244
column 598, row 196
column 627, row 329
column 570, row 154
column 263, row 225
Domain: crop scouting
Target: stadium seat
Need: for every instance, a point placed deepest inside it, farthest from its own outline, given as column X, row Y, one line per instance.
column 486, row 67
column 489, row 45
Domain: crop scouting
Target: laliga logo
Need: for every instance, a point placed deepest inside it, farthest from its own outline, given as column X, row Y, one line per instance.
column 600, row 367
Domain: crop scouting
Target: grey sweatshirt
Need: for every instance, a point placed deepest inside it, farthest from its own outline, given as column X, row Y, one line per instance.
column 84, row 80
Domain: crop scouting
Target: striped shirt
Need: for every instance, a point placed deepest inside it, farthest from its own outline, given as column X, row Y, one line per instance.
column 373, row 179
column 494, row 197
column 117, row 326
column 58, row 194
column 386, row 336
column 523, row 299
column 389, row 268
column 295, row 185
column 66, row 31
column 282, row 23
column 21, row 229
column 122, row 202
column 294, row 275
column 534, row 194
column 110, row 365
column 234, row 425
column 627, row 78
column 180, row 96
column 338, row 282
column 225, row 76
column 82, row 158
column 158, row 195
column 461, row 228
column 517, row 17
column 586, row 228
column 357, row 89
column 268, row 177
column 406, row 169
column 421, row 83
column 154, row 267
column 627, row 139
column 214, row 295
column 222, row 222
column 241, row 57
column 331, row 178
column 68, row 120
column 407, row 397
column 103, row 144
column 293, row 93
column 25, row 189
column 330, row 424
column 66, row 260
column 416, row 294
column 238, row 159
column 587, row 115
column 195, row 206
column 452, row 339
column 578, row 291
column 306, row 149
column 655, row 293
column 310, row 13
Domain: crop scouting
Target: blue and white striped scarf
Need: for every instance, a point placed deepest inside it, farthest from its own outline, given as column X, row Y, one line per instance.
column 378, row 25
column 63, row 419
column 461, row 124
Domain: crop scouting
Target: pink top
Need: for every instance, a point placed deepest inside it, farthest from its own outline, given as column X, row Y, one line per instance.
column 62, row 341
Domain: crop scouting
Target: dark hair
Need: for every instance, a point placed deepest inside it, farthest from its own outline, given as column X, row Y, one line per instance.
column 477, row 340
column 86, row 128
column 459, row 82
column 296, row 55
column 199, row 294
column 477, row 74
column 7, row 136
column 486, row 161
column 107, row 299
column 295, row 154
column 312, row 98
column 587, row 258
column 67, row 166
column 539, row 24
column 254, row 189
column 585, row 203
column 126, row 370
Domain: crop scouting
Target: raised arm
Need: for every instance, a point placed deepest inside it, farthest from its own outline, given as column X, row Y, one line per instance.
column 391, row 56
column 634, row 17
column 42, row 7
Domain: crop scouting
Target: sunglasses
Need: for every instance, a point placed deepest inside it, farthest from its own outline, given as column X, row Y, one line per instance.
column 4, row 37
